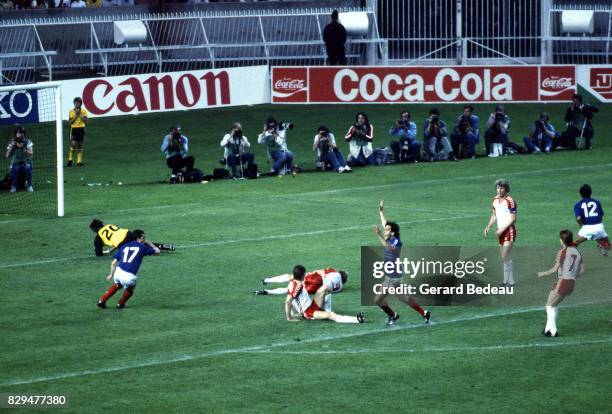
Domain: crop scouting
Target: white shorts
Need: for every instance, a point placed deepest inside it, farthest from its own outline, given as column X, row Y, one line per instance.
column 593, row 231
column 124, row 278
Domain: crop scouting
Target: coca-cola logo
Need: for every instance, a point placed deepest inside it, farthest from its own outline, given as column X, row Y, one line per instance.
column 558, row 83
column 289, row 84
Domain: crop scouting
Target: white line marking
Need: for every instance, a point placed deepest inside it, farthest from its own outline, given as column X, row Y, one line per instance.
column 552, row 342
column 316, row 339
column 247, row 240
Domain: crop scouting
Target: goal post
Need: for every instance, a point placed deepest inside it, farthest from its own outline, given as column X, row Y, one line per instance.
column 38, row 109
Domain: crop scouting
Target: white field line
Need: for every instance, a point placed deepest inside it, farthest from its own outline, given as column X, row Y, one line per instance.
column 340, row 190
column 552, row 342
column 246, row 240
column 266, row 347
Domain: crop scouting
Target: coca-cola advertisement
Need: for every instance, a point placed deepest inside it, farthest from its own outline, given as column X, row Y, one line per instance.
column 289, row 84
column 137, row 94
column 557, row 83
column 424, row 84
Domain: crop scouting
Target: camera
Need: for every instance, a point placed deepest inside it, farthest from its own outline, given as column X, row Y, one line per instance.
column 237, row 134
column 499, row 117
column 175, row 141
column 285, row 125
column 435, row 119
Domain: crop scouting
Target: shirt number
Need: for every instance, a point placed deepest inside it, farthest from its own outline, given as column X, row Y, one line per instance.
column 129, row 254
column 589, row 209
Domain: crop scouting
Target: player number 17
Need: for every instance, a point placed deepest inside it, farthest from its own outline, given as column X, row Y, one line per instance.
column 127, row 251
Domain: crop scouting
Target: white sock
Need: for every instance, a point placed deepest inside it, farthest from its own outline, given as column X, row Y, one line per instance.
column 277, row 291
column 508, row 276
column 346, row 319
column 548, row 318
column 551, row 320
column 327, row 303
column 277, row 279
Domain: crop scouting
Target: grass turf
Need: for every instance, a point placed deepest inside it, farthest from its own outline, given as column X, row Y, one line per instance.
column 194, row 338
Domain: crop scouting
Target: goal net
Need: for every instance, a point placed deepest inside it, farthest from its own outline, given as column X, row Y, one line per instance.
column 31, row 166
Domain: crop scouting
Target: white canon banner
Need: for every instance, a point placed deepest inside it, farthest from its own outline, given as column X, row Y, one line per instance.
column 597, row 80
column 173, row 91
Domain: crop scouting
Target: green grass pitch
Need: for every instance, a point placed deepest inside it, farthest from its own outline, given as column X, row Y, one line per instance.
column 195, row 339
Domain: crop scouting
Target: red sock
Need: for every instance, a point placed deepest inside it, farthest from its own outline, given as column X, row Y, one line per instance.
column 387, row 309
column 110, row 292
column 416, row 306
column 126, row 295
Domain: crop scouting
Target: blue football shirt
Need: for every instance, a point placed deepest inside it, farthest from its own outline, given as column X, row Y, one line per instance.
column 392, row 254
column 130, row 256
column 589, row 210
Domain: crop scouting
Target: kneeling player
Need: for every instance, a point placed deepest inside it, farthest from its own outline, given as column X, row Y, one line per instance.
column 297, row 296
column 569, row 266
column 124, row 267
column 114, row 237
column 589, row 216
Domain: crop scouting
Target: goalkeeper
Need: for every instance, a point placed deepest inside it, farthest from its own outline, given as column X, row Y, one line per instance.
column 113, row 236
column 77, row 118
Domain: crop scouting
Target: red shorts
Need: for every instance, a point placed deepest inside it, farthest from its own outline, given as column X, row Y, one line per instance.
column 564, row 287
column 508, row 235
column 313, row 281
column 309, row 312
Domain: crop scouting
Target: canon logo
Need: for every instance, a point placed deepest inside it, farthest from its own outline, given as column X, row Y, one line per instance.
column 289, row 84
column 156, row 93
column 558, row 83
column 448, row 85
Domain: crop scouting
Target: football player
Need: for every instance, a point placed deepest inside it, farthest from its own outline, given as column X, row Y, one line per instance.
column 299, row 300
column 504, row 212
column 124, row 267
column 589, row 216
column 392, row 243
column 114, row 237
column 332, row 279
column 568, row 266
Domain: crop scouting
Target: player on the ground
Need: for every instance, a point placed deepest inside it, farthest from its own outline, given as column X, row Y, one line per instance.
column 504, row 212
column 332, row 279
column 114, row 237
column 124, row 267
column 589, row 216
column 298, row 298
column 77, row 117
column 392, row 243
column 568, row 265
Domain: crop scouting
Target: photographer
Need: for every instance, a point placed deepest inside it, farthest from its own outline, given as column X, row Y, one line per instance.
column 19, row 152
column 360, row 137
column 466, row 134
column 541, row 136
column 327, row 151
column 176, row 149
column 579, row 126
column 234, row 144
column 498, row 127
column 403, row 135
column 274, row 136
column 437, row 147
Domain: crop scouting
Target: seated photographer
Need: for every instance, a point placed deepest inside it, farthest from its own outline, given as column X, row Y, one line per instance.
column 19, row 152
column 274, row 136
column 579, row 118
column 498, row 129
column 235, row 155
column 328, row 152
column 436, row 145
column 360, row 137
column 176, row 149
column 541, row 136
column 466, row 134
column 404, row 142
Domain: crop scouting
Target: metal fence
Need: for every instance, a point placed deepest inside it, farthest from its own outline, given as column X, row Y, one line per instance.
column 175, row 42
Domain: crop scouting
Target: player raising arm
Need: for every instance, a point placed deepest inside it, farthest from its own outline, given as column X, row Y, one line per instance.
column 297, row 297
column 504, row 212
column 568, row 266
column 124, row 267
column 589, row 215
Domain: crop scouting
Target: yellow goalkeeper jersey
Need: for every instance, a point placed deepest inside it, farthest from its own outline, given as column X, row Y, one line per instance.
column 112, row 235
column 78, row 121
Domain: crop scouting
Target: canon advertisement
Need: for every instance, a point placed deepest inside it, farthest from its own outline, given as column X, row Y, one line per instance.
column 138, row 94
column 422, row 84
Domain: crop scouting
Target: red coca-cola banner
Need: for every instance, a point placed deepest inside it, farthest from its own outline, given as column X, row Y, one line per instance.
column 422, row 84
